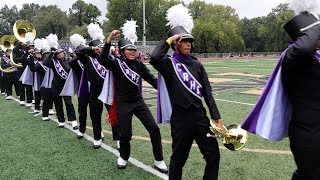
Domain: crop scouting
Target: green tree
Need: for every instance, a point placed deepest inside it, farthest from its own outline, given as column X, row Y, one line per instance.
column 155, row 16
column 217, row 28
column 51, row 20
column 8, row 16
column 29, row 11
column 83, row 13
column 272, row 32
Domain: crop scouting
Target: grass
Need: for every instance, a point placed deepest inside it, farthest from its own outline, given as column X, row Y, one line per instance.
column 91, row 164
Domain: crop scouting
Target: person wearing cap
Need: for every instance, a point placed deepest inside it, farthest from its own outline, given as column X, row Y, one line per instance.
column 301, row 77
column 188, row 119
column 59, row 64
column 10, row 78
column 90, row 59
column 25, row 90
column 128, row 73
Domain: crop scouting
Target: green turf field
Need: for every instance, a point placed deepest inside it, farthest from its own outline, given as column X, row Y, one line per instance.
column 32, row 149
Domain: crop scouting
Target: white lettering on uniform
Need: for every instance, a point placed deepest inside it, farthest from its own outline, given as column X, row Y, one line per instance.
column 185, row 77
column 178, row 67
column 192, row 85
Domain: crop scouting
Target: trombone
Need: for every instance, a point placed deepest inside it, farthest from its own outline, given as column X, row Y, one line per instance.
column 23, row 31
column 233, row 138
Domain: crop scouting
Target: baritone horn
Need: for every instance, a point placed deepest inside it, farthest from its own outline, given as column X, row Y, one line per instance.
column 233, row 138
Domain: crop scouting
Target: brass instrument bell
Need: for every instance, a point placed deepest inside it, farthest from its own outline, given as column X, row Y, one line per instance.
column 234, row 138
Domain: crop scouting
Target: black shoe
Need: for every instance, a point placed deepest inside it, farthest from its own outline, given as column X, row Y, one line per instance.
column 121, row 167
column 96, row 146
column 75, row 128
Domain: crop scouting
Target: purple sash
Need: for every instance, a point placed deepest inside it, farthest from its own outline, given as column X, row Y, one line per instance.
column 62, row 73
column 6, row 59
column 41, row 64
column 81, row 65
column 102, row 71
column 129, row 73
column 186, row 78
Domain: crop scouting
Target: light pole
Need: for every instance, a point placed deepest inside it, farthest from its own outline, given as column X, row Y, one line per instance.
column 144, row 23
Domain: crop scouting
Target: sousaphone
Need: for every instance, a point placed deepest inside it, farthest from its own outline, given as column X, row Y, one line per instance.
column 23, row 31
column 4, row 45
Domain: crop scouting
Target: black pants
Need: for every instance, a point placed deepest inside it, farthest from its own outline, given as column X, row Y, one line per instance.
column 125, row 111
column 82, row 110
column 2, row 84
column 25, row 90
column 304, row 135
column 59, row 106
column 46, row 95
column 37, row 100
column 9, row 81
column 188, row 125
column 96, row 107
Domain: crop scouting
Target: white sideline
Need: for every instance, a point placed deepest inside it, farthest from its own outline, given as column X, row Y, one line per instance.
column 133, row 161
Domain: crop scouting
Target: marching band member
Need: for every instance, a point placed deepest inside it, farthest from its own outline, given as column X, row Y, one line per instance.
column 90, row 58
column 8, row 77
column 79, row 42
column 128, row 73
column 18, row 52
column 186, row 82
column 2, row 82
column 59, row 64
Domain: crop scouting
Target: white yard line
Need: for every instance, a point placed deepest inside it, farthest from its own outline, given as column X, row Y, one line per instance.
column 133, row 161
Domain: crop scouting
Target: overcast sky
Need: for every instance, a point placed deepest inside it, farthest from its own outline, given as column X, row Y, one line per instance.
column 245, row 8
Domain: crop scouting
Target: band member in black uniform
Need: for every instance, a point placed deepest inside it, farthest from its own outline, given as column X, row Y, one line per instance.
column 300, row 74
column 59, row 64
column 2, row 83
column 129, row 100
column 188, row 119
column 90, row 58
column 18, row 52
column 9, row 77
column 83, row 101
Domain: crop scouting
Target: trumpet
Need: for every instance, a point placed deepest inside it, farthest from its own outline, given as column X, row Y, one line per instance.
column 233, row 138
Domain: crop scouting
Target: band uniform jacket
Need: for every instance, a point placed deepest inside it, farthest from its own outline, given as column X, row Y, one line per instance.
column 178, row 94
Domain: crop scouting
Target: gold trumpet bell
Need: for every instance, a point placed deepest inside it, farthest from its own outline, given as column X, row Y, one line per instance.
column 233, row 139
column 24, row 31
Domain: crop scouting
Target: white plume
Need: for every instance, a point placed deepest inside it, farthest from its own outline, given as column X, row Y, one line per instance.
column 52, row 40
column 312, row 6
column 95, row 32
column 129, row 31
column 38, row 44
column 45, row 44
column 77, row 40
column 28, row 37
column 178, row 15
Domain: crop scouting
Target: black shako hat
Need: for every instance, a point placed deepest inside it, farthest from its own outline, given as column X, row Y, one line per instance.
column 97, row 43
column 181, row 30
column 301, row 22
column 126, row 44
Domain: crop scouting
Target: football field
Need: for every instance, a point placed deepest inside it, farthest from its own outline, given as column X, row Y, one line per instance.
column 33, row 149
